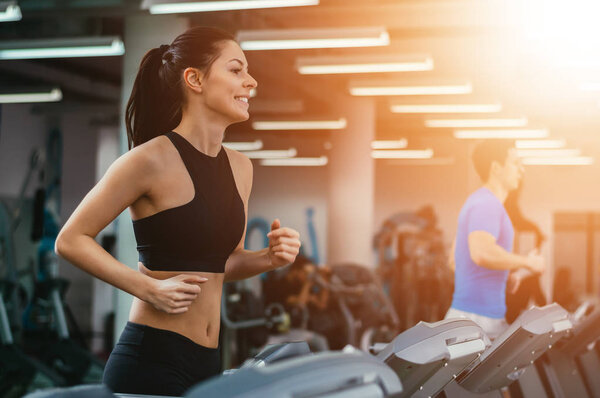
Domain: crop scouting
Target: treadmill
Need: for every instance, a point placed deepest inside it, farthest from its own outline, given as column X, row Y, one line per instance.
column 571, row 367
column 428, row 356
column 513, row 352
column 350, row 374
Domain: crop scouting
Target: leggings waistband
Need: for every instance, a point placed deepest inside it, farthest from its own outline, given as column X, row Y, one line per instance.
column 138, row 331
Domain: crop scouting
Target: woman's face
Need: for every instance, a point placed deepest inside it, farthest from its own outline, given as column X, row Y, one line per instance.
column 226, row 89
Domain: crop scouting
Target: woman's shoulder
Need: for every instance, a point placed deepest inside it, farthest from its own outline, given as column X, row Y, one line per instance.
column 238, row 160
column 152, row 153
column 144, row 162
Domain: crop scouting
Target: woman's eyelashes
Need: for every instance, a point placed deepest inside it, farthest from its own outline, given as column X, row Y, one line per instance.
column 238, row 71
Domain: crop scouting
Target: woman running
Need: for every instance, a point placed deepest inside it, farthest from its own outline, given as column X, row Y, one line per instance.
column 188, row 198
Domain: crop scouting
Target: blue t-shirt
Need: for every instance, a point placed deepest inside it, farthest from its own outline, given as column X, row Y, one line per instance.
column 477, row 289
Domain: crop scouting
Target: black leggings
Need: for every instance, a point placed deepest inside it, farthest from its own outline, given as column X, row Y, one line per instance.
column 154, row 361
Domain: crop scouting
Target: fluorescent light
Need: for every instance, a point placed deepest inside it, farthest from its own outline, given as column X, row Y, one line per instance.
column 320, row 161
column 272, row 154
column 363, row 64
column 62, row 48
column 390, row 144
column 244, row 146
column 449, row 108
column 590, row 86
column 403, row 154
column 501, row 134
column 300, row 125
column 371, row 90
column 540, row 144
column 548, row 153
column 53, row 95
column 253, row 92
column 10, row 11
column 162, row 7
column 569, row 161
column 312, row 38
column 461, row 123
column 441, row 161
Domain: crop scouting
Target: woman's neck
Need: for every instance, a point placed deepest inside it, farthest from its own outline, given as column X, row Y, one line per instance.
column 204, row 134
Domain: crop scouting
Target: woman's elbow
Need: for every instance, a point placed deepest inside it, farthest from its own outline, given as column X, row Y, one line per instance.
column 61, row 246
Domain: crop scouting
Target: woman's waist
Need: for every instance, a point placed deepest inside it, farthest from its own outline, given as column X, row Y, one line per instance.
column 200, row 323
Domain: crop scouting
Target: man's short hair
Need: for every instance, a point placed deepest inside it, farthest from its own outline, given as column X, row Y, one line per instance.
column 489, row 151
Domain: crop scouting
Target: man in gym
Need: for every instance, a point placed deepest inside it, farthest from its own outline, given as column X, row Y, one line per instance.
column 482, row 251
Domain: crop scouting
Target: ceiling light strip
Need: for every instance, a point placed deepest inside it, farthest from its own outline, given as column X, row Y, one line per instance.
column 272, row 154
column 341, row 65
column 11, row 13
column 300, row 125
column 573, row 161
column 540, row 144
column 313, row 38
column 244, row 146
column 501, row 134
column 466, row 123
column 320, row 161
column 390, row 144
column 448, row 108
column 411, row 90
column 441, row 161
column 548, row 153
column 207, row 6
column 402, row 154
column 53, row 95
column 54, row 50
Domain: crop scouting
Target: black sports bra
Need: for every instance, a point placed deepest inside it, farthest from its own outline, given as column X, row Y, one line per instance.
column 201, row 234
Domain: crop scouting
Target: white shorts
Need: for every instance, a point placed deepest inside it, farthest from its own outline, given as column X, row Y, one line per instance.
column 493, row 327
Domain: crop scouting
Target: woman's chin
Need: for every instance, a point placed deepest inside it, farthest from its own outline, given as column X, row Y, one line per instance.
column 242, row 117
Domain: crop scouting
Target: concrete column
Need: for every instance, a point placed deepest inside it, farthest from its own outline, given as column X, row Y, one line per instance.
column 141, row 34
column 352, row 186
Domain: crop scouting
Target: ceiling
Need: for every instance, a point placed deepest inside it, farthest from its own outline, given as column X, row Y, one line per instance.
column 480, row 41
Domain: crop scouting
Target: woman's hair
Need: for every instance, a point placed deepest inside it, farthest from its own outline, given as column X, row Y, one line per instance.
column 156, row 100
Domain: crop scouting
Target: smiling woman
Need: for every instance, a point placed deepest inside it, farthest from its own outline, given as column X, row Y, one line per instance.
column 188, row 198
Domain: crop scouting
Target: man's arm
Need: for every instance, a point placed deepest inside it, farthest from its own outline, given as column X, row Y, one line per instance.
column 487, row 253
column 451, row 264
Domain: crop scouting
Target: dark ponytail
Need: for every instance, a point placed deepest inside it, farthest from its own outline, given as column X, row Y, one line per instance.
column 154, row 106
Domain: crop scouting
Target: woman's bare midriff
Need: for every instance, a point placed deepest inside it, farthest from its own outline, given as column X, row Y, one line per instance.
column 200, row 322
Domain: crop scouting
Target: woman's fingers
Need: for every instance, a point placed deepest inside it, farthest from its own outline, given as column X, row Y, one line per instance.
column 288, row 241
column 178, row 310
column 285, row 256
column 281, row 232
column 185, row 297
column 186, row 288
column 280, row 248
column 179, row 304
column 192, row 278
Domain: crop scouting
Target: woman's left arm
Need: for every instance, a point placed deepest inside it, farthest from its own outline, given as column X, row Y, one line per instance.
column 284, row 243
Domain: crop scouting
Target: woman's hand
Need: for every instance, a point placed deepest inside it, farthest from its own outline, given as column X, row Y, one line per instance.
column 176, row 294
column 284, row 244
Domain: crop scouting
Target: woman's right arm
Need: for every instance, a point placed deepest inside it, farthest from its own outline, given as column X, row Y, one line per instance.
column 128, row 178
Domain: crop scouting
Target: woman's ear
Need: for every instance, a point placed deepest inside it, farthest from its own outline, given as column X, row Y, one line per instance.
column 193, row 79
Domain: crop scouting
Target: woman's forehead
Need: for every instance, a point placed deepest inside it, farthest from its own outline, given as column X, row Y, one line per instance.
column 231, row 51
